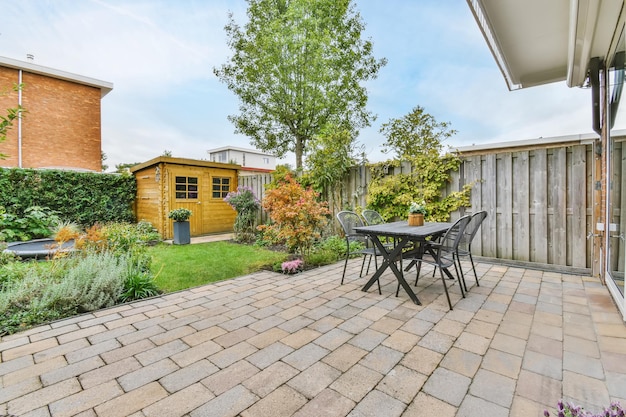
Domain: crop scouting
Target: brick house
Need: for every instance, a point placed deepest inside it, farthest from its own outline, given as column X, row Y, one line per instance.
column 62, row 127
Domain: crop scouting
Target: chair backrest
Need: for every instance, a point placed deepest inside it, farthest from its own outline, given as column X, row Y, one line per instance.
column 451, row 239
column 372, row 217
column 474, row 224
column 472, row 227
column 349, row 220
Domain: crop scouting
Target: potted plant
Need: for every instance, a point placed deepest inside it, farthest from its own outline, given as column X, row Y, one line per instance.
column 417, row 211
column 182, row 234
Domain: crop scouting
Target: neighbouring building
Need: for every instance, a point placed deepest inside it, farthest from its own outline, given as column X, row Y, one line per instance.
column 61, row 127
column 252, row 161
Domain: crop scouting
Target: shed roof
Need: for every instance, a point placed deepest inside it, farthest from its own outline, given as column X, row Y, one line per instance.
column 183, row 161
column 104, row 86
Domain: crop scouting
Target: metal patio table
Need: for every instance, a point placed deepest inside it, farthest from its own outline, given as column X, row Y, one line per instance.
column 403, row 235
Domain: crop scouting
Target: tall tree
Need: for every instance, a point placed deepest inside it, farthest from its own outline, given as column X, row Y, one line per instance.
column 297, row 66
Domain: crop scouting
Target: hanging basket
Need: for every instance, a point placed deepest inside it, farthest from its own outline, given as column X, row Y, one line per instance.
column 416, row 219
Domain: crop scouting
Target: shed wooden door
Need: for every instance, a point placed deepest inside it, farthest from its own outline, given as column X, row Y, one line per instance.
column 186, row 188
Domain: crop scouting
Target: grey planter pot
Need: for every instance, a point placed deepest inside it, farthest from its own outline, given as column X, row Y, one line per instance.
column 182, row 234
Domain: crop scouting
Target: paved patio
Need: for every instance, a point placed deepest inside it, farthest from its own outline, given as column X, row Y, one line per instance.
column 272, row 345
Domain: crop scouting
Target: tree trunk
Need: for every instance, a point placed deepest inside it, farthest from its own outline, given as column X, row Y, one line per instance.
column 299, row 151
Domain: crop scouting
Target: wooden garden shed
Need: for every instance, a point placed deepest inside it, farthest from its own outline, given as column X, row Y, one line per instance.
column 166, row 183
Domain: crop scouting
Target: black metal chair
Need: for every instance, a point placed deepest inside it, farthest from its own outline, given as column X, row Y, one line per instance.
column 465, row 245
column 372, row 217
column 349, row 220
column 442, row 254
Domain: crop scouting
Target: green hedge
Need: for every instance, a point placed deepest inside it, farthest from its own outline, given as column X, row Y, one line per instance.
column 82, row 197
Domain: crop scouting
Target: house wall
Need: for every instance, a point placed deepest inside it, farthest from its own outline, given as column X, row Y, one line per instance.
column 245, row 159
column 61, row 127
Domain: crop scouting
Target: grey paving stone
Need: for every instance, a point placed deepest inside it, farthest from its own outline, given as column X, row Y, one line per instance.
column 229, row 404
column 478, row 407
column 314, row 379
column 377, row 404
column 328, row 403
column 448, row 386
column 306, row 356
column 493, row 387
column 269, row 355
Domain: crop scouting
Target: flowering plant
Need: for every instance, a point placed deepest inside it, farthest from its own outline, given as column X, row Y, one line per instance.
column 292, row 267
column 571, row 410
column 180, row 215
column 418, row 208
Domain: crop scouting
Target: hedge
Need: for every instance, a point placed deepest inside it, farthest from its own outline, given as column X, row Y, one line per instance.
column 82, row 197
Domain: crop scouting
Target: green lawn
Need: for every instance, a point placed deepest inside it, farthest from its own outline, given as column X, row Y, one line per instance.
column 185, row 266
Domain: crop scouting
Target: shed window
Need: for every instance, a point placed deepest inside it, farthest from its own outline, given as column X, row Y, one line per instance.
column 187, row 187
column 221, row 187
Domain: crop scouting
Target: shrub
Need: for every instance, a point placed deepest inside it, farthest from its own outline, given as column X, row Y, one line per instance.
column 180, row 214
column 297, row 217
column 82, row 197
column 138, row 284
column 292, row 267
column 246, row 204
column 35, row 222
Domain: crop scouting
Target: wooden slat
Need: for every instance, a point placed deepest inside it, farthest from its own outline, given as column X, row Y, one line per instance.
column 557, row 178
column 578, row 237
column 521, row 207
column 504, row 196
column 539, row 204
column 490, row 203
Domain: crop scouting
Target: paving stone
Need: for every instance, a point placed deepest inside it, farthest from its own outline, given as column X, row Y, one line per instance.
column 132, row 401
column 477, row 407
column 356, row 382
column 269, row 355
column 376, row 404
column 127, row 351
column 544, row 390
column 34, row 371
column 146, row 374
column 472, row 343
column 29, row 349
column 196, row 353
column 188, row 375
column 502, row 363
column 284, row 401
column 222, row 381
column 180, row 403
column 306, row 356
column 382, row 359
column 461, row 361
column 60, row 350
column 368, row 339
column 583, row 365
column 328, row 403
column 203, row 336
column 417, row 326
column 344, row 357
column 267, row 337
column 78, row 401
column 448, row 386
column 402, row 383
column 92, row 350
column 270, row 378
column 436, row 341
column 161, row 352
column 616, row 384
column 590, row 393
column 295, row 324
column 227, row 357
column 108, row 372
column 333, row 339
column 493, row 387
column 71, row 370
column 18, row 390
column 509, row 344
column 300, row 338
column 422, row 360
column 426, row 404
column 314, row 379
column 326, row 324
column 523, row 407
column 585, row 347
column 229, row 404
column 543, row 365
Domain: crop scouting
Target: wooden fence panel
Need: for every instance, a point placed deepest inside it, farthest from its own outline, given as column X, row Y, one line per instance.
column 538, row 201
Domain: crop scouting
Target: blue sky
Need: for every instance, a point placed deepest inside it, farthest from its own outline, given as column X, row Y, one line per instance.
column 159, row 54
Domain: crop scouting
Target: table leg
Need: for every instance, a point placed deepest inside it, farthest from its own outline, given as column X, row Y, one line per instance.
column 389, row 258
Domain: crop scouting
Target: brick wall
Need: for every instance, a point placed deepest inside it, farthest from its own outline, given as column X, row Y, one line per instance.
column 61, row 128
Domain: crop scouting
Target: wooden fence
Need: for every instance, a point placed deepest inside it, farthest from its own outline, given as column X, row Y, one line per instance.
column 538, row 197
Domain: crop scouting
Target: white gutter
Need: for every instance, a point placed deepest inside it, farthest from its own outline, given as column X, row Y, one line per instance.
column 583, row 19
column 19, row 119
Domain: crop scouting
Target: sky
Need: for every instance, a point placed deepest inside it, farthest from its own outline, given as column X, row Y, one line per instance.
column 160, row 55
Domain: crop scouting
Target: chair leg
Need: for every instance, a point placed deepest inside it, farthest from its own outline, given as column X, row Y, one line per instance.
column 445, row 287
column 460, row 273
column 474, row 268
column 345, row 265
column 363, row 265
column 459, row 277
